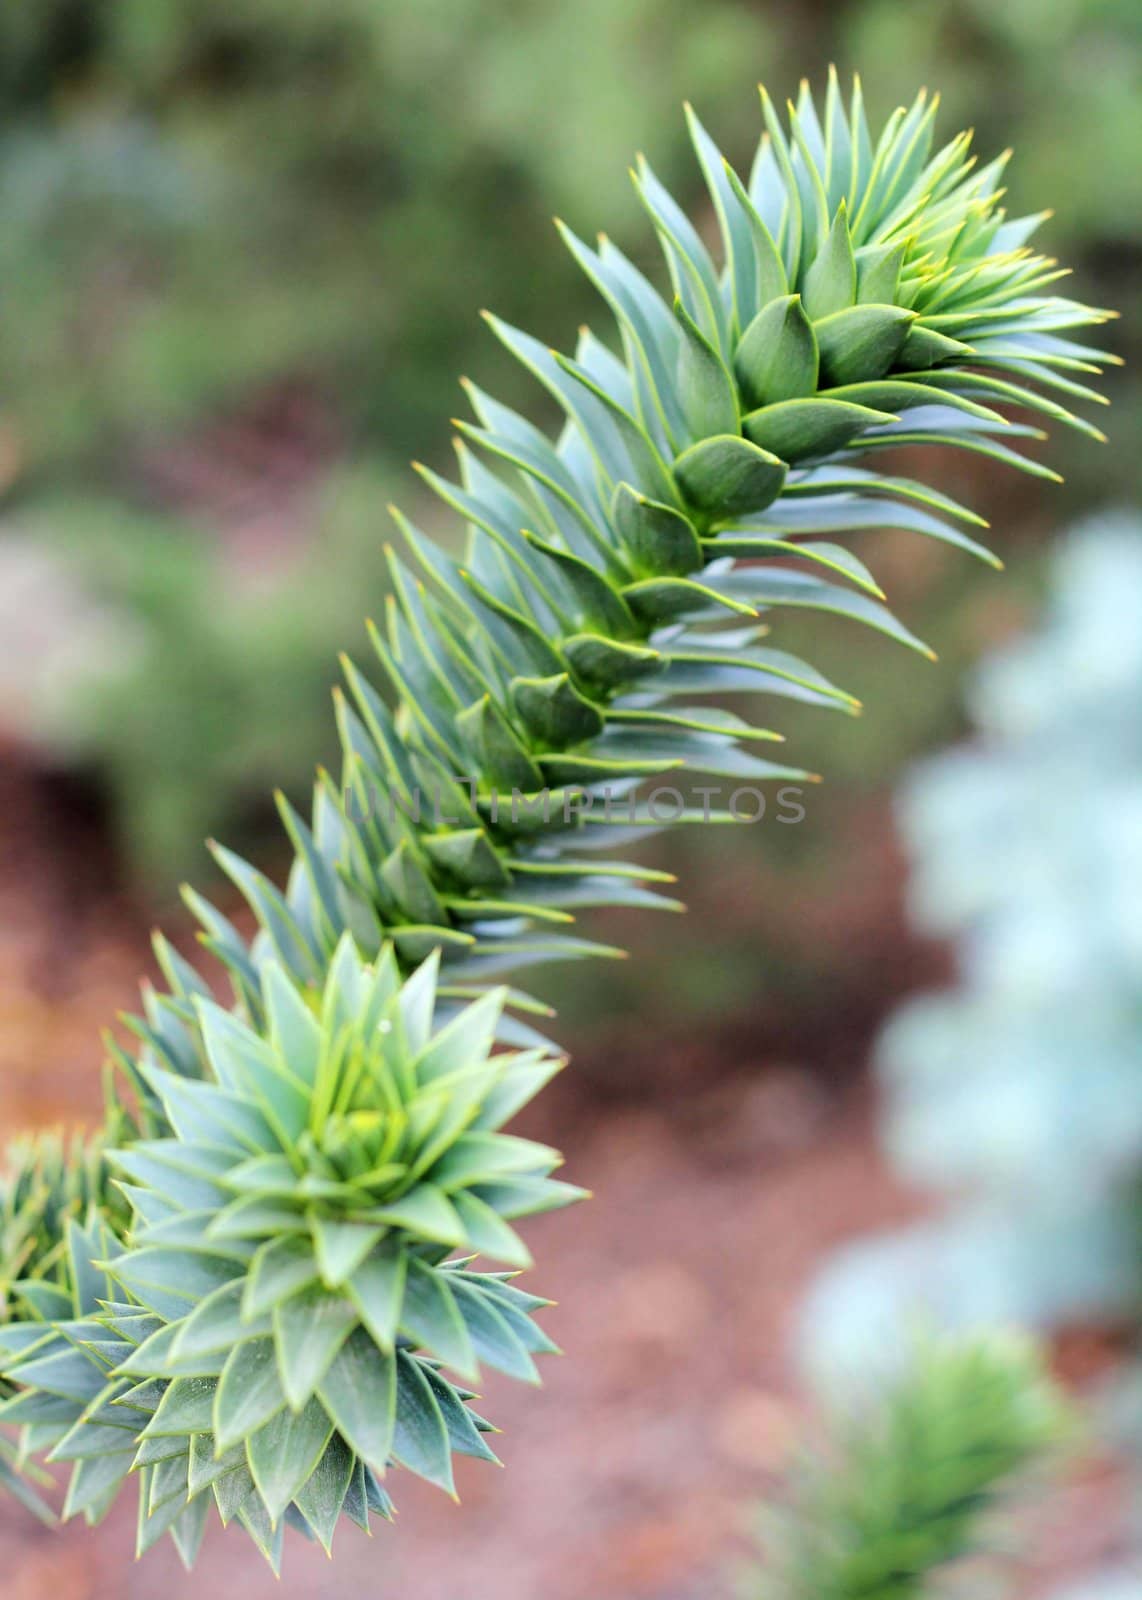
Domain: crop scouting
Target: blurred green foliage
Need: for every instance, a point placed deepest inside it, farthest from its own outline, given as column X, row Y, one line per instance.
column 916, row 1472
column 205, row 205
column 202, row 197
column 221, row 687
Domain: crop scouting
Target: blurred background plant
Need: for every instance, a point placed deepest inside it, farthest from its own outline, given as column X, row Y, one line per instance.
column 915, row 1476
column 1019, row 1091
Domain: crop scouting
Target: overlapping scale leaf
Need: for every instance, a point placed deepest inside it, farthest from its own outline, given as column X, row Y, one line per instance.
column 273, row 1337
column 616, row 578
column 50, row 1180
column 867, row 293
column 53, row 1185
column 294, row 1237
column 351, row 1144
column 56, row 1361
column 76, row 1401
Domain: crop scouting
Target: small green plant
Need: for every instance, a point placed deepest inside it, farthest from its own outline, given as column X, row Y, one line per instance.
column 911, row 1481
column 306, row 1172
